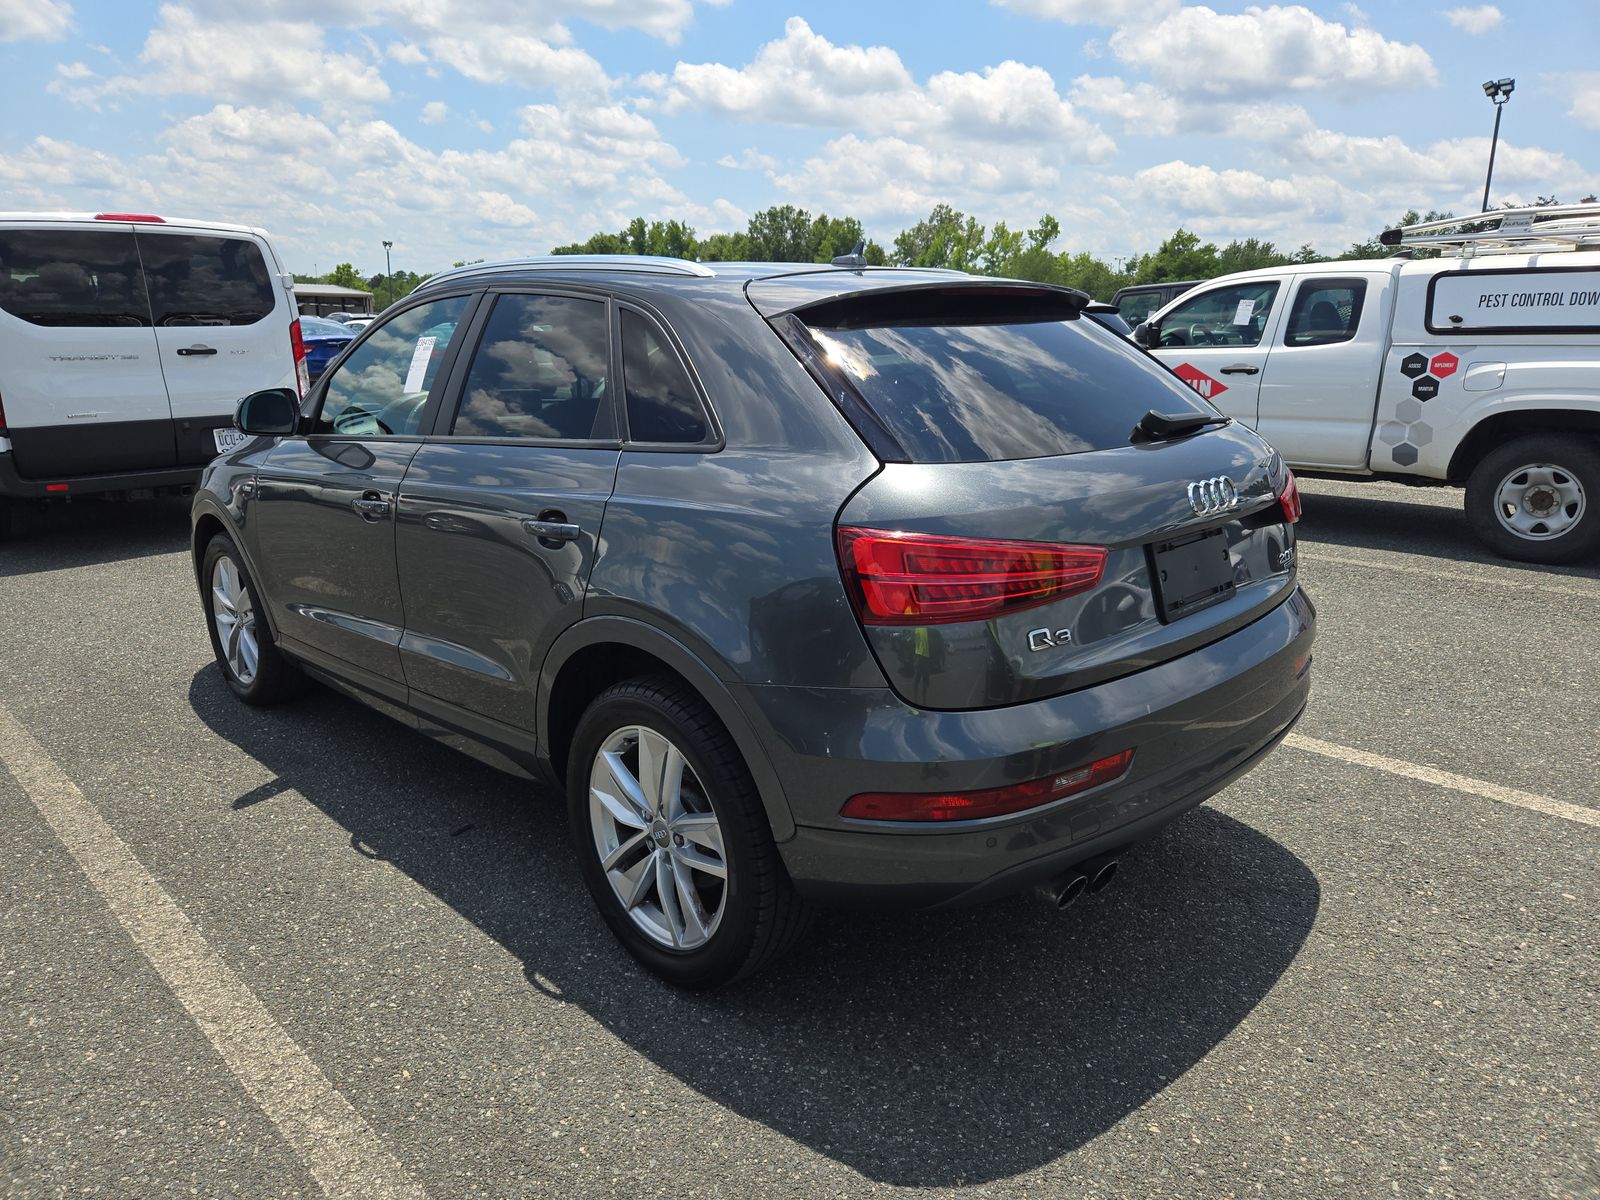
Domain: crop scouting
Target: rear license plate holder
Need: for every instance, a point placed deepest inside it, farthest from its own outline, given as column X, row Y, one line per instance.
column 1190, row 574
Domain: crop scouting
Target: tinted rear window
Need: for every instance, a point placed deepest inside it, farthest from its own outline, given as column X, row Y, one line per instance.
column 976, row 392
column 196, row 280
column 72, row 277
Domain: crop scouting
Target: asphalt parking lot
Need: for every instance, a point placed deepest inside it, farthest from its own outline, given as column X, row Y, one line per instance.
column 1367, row 969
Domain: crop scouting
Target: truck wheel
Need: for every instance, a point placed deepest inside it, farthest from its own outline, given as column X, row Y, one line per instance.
column 1537, row 498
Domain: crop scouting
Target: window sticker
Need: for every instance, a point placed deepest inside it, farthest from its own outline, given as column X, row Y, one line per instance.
column 1241, row 315
column 419, row 363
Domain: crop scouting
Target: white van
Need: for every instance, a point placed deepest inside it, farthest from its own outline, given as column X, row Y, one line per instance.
column 1480, row 368
column 126, row 340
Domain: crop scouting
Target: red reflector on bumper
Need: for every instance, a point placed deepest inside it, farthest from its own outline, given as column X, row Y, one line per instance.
column 57, row 487
column 993, row 802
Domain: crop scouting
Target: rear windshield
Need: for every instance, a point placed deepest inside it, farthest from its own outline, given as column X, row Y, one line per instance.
column 979, row 391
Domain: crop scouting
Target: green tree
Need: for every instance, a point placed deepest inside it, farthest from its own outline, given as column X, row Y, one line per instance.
column 345, row 275
column 945, row 238
column 725, row 247
column 1248, row 255
column 780, row 234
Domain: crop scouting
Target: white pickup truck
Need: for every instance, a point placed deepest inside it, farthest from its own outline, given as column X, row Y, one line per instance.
column 1480, row 368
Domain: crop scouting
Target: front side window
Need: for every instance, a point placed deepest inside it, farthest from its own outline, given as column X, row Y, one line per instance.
column 1325, row 311
column 662, row 405
column 1225, row 316
column 72, row 277
column 540, row 371
column 196, row 280
column 1138, row 307
column 382, row 388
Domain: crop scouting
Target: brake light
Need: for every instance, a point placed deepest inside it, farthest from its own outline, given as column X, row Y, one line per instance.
column 2, row 414
column 297, row 347
column 1289, row 498
column 897, row 578
column 994, row 802
column 144, row 218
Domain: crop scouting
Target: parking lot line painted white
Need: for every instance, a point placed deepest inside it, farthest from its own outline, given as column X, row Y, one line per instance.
column 1446, row 779
column 1518, row 579
column 342, row 1152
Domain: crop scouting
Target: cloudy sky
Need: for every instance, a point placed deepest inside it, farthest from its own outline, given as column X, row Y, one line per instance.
column 480, row 128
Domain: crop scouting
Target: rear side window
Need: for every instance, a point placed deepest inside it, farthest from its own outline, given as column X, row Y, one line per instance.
column 540, row 371
column 197, row 280
column 72, row 277
column 662, row 405
column 967, row 390
column 1325, row 311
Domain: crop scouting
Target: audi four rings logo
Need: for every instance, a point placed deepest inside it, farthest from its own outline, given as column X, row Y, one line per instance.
column 1210, row 496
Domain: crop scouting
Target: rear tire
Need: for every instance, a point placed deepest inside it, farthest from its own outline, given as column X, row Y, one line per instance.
column 241, row 638
column 1537, row 498
column 679, row 858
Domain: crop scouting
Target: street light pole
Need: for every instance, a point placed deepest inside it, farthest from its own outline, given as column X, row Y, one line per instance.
column 388, row 268
column 1499, row 91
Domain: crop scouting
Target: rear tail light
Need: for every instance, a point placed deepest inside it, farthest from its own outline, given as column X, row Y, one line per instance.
column 297, row 345
column 919, row 579
column 2, row 414
column 995, row 802
column 1289, row 498
column 143, row 218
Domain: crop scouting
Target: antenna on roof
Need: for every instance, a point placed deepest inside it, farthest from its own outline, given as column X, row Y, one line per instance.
column 856, row 259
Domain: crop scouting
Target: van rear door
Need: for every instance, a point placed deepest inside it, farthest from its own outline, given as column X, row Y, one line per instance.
column 221, row 324
column 79, row 375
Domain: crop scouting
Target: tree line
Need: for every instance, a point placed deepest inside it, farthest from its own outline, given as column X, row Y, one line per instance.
column 946, row 237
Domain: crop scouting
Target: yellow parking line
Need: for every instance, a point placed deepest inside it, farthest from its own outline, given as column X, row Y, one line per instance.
column 338, row 1147
column 1446, row 779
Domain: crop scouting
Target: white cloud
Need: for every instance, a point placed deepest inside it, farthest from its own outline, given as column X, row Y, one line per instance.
column 751, row 160
column 406, row 53
column 34, row 20
column 1266, row 51
column 520, row 59
column 1585, row 108
column 434, row 112
column 1091, row 12
column 1143, row 108
column 1476, row 20
column 497, row 208
column 804, row 79
column 76, row 70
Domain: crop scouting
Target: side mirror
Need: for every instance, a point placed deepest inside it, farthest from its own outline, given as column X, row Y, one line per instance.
column 272, row 413
column 1147, row 334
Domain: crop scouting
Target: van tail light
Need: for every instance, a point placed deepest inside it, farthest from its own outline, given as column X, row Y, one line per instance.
column 297, row 345
column 897, row 578
column 994, row 802
column 2, row 414
column 1289, row 498
column 142, row 218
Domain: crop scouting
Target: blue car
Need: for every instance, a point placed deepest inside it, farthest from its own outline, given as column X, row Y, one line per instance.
column 324, row 341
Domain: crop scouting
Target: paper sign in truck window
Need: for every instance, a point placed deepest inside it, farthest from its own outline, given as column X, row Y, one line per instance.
column 1242, row 314
column 1554, row 300
column 419, row 363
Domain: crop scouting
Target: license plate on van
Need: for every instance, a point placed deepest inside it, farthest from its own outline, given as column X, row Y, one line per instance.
column 229, row 440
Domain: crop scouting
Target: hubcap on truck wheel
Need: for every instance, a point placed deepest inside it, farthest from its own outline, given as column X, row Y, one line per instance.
column 1539, row 501
column 658, row 839
column 235, row 619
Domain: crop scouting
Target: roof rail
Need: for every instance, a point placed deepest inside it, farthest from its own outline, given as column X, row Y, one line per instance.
column 642, row 263
column 1506, row 230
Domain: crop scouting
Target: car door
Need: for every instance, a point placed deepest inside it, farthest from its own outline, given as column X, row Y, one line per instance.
column 79, row 373
column 1320, row 386
column 321, row 526
column 500, row 510
column 222, row 328
column 1216, row 340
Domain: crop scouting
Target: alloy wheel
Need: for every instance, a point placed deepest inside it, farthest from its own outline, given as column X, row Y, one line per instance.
column 234, row 616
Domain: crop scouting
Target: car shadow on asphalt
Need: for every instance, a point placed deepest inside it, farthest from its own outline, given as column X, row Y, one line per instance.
column 925, row 1049
column 54, row 537
column 1427, row 530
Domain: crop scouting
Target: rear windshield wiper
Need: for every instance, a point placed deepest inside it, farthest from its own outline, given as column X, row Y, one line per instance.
column 1160, row 427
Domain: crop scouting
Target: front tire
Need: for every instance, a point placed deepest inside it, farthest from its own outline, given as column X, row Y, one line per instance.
column 251, row 663
column 672, row 838
column 1537, row 498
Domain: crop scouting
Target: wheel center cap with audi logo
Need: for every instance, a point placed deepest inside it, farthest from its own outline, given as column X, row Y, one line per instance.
column 1211, row 496
column 1201, row 382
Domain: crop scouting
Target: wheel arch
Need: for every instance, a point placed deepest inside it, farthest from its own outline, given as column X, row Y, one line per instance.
column 596, row 652
column 1496, row 428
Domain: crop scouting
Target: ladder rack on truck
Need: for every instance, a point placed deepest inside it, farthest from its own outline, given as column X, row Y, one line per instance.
column 1514, row 230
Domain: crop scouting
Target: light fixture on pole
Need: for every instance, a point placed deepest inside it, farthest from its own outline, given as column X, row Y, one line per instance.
column 388, row 269
column 1499, row 91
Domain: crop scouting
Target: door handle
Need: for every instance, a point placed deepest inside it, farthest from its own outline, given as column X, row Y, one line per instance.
column 1241, row 369
column 371, row 505
column 196, row 350
column 552, row 529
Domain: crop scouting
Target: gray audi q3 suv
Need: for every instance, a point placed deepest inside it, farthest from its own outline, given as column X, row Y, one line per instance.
column 809, row 584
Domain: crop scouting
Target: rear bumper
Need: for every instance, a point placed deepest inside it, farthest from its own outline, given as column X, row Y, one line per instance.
column 1196, row 723
column 13, row 486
